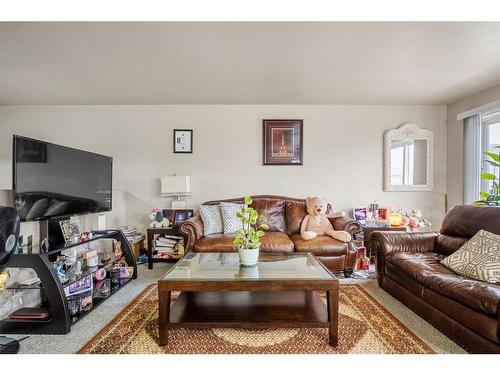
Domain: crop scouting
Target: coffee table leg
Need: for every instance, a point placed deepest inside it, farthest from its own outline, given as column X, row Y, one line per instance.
column 332, row 298
column 163, row 316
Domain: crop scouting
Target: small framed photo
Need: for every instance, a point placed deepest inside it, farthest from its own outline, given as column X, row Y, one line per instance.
column 360, row 214
column 183, row 141
column 383, row 213
column 180, row 216
column 282, row 142
column 71, row 231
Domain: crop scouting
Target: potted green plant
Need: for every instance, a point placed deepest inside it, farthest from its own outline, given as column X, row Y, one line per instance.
column 491, row 198
column 248, row 237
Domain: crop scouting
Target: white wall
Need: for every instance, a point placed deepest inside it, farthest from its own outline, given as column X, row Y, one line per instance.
column 455, row 140
column 342, row 151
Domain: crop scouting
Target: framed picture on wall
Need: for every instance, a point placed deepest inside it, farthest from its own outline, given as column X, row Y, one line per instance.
column 183, row 141
column 282, row 142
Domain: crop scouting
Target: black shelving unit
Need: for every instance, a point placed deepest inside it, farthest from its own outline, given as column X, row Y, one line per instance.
column 54, row 298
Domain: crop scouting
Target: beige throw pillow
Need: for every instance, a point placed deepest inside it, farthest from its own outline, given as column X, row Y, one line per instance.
column 478, row 258
column 212, row 219
column 230, row 221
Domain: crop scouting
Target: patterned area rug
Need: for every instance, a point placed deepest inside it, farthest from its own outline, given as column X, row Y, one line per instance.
column 365, row 326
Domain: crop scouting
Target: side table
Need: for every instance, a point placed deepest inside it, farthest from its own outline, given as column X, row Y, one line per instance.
column 151, row 232
column 367, row 232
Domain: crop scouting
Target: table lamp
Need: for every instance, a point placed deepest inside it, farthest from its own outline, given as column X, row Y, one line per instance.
column 176, row 186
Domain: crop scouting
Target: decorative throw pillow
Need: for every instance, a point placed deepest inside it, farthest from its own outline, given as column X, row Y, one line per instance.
column 212, row 219
column 231, row 222
column 478, row 258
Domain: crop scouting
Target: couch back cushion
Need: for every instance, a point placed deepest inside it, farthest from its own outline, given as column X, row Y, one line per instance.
column 284, row 214
column 462, row 223
column 295, row 212
column 466, row 221
column 274, row 210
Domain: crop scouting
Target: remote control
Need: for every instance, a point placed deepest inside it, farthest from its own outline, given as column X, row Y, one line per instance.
column 30, row 281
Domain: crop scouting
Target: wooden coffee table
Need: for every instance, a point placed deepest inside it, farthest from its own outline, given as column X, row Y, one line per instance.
column 280, row 292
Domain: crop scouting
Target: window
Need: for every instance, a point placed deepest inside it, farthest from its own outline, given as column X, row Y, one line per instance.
column 481, row 134
column 490, row 129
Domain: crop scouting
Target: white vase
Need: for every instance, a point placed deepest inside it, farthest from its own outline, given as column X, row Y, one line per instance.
column 248, row 257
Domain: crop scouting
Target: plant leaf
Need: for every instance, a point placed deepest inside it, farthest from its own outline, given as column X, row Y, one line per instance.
column 248, row 200
column 493, row 163
column 495, row 157
column 488, row 176
column 479, row 203
column 484, row 195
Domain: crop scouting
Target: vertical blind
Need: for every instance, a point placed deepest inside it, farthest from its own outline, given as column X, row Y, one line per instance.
column 472, row 158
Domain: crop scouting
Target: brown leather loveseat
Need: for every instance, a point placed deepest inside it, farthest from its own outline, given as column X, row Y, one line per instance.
column 284, row 216
column 409, row 268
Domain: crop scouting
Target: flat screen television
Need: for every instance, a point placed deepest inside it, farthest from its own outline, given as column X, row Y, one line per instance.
column 51, row 180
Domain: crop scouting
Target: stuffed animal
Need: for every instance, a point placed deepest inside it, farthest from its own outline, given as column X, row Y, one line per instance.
column 316, row 222
column 159, row 221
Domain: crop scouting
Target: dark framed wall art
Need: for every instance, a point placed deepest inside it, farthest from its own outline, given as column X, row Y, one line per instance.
column 283, row 142
column 183, row 141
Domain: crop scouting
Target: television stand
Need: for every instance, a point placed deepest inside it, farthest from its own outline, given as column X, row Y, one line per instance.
column 54, row 298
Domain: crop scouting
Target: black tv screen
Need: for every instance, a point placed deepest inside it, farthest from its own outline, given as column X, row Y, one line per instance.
column 50, row 180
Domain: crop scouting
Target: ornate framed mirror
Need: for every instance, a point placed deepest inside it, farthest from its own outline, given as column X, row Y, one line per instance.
column 408, row 160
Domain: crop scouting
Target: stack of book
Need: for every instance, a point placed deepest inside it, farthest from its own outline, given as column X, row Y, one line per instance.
column 131, row 234
column 168, row 246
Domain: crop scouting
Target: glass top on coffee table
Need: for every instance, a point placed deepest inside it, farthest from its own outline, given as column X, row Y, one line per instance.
column 226, row 267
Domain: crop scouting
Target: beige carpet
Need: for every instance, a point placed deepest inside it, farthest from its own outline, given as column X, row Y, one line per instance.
column 365, row 326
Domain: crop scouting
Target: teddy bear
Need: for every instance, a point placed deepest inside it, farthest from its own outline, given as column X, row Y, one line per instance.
column 316, row 221
column 158, row 220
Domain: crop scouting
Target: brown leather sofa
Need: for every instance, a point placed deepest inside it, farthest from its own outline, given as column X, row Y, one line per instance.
column 284, row 216
column 409, row 268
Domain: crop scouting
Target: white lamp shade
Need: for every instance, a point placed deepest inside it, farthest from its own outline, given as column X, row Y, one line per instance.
column 176, row 185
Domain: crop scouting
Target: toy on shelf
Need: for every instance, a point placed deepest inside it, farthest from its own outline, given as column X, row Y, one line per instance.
column 158, row 220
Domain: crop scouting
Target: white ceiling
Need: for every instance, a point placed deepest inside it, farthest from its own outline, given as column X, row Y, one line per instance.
column 246, row 63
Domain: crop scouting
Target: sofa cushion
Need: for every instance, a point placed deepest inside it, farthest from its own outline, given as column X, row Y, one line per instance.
column 212, row 219
column 230, row 221
column 321, row 245
column 448, row 244
column 466, row 221
column 426, row 268
column 295, row 211
column 272, row 242
column 276, row 242
column 483, row 324
column 478, row 259
column 273, row 210
column 215, row 243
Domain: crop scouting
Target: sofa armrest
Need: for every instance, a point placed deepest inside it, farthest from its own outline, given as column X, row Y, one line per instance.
column 347, row 224
column 193, row 229
column 384, row 243
column 410, row 242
